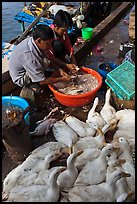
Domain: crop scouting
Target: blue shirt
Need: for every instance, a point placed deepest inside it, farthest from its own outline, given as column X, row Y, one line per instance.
column 26, row 57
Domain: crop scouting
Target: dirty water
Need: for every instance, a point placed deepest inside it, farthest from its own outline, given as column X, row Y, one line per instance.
column 79, row 84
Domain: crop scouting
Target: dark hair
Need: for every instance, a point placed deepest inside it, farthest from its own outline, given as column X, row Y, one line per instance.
column 43, row 31
column 62, row 19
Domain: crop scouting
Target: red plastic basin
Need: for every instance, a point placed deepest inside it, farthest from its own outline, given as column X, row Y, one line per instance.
column 81, row 99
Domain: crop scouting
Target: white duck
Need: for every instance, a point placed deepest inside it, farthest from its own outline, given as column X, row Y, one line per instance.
column 42, row 163
column 91, row 142
column 38, row 193
column 128, row 165
column 127, row 153
column 126, row 123
column 39, row 153
column 127, row 135
column 108, row 112
column 64, row 134
column 126, row 126
column 94, row 117
column 122, row 186
column 67, row 178
column 103, row 192
column 126, row 114
column 113, row 164
column 81, row 128
column 26, row 173
column 87, row 156
column 94, row 172
column 46, row 148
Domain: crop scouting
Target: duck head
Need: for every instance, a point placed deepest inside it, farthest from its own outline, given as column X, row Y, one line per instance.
column 96, row 127
column 118, row 174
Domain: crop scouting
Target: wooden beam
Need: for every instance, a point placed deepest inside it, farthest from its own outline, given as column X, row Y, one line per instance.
column 101, row 30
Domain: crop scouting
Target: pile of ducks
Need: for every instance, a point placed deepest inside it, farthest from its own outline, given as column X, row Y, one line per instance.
column 95, row 171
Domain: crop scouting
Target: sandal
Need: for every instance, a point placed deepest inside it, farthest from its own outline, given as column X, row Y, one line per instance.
column 36, row 88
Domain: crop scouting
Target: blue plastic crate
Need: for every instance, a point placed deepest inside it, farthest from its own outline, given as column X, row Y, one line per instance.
column 122, row 81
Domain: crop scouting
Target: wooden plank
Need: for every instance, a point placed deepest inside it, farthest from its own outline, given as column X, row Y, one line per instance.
column 101, row 30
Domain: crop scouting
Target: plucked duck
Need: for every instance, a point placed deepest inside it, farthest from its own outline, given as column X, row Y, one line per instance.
column 48, row 116
column 44, row 127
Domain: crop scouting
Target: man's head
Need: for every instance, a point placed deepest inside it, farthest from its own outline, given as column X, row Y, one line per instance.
column 43, row 37
column 62, row 22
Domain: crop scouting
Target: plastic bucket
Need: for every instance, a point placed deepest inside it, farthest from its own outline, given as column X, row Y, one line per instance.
column 17, row 101
column 87, row 33
column 81, row 99
column 102, row 68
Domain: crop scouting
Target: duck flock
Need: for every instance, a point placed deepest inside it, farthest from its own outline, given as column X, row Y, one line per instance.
column 95, row 170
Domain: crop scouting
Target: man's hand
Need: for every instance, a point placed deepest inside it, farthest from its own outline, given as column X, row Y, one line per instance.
column 73, row 68
column 65, row 76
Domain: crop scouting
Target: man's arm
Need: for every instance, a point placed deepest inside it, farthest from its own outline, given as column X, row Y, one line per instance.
column 62, row 64
column 51, row 80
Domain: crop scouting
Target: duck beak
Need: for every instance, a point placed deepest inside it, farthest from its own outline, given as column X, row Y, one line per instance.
column 130, row 194
column 116, row 148
column 121, row 161
column 104, row 143
column 62, row 169
column 116, row 140
column 100, row 132
column 57, row 155
column 126, row 174
column 5, row 197
column 80, row 152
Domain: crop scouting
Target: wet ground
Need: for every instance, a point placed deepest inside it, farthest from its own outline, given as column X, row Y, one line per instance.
column 105, row 50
